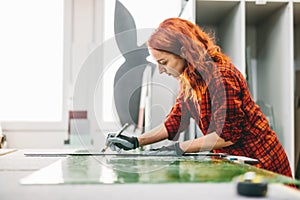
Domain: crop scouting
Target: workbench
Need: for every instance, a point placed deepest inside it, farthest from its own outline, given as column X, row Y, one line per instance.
column 126, row 177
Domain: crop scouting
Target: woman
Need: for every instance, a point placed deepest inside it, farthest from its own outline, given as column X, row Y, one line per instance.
column 215, row 94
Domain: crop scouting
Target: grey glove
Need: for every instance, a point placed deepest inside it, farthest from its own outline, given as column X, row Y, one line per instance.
column 171, row 150
column 121, row 142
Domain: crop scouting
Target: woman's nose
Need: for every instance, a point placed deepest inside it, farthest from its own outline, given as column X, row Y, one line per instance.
column 161, row 69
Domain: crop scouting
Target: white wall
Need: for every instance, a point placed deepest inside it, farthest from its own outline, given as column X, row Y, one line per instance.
column 40, row 139
column 84, row 32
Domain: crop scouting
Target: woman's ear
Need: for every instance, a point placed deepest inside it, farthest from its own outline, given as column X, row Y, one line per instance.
column 183, row 52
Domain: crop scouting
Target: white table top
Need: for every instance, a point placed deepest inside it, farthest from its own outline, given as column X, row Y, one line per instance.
column 15, row 166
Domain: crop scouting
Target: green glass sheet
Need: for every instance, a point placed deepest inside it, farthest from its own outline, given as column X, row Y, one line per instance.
column 143, row 169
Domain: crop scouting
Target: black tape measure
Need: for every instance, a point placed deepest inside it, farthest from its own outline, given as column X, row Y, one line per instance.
column 252, row 185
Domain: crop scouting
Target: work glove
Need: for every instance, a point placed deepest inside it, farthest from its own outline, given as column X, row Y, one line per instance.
column 121, row 142
column 171, row 150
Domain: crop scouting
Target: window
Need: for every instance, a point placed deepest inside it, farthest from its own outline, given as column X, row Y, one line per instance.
column 31, row 64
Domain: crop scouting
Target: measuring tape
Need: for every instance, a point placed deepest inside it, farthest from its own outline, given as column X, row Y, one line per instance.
column 252, row 185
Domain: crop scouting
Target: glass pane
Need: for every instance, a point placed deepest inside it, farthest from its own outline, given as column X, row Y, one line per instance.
column 121, row 169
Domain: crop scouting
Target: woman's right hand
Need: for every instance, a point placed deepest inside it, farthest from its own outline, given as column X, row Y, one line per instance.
column 121, row 142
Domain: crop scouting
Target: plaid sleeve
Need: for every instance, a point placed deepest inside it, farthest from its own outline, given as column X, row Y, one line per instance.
column 178, row 119
column 226, row 102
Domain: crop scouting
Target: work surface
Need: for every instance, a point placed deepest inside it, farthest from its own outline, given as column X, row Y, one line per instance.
column 124, row 177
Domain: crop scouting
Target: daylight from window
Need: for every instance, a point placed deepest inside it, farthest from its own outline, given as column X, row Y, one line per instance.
column 31, row 64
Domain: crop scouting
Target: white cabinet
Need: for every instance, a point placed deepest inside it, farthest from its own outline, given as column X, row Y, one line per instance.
column 262, row 39
column 270, row 39
column 225, row 19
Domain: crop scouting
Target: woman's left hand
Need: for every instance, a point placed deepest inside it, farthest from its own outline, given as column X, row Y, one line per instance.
column 171, row 150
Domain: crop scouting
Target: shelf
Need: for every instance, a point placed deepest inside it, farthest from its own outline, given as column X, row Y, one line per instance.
column 257, row 13
column 269, row 37
column 213, row 12
column 224, row 19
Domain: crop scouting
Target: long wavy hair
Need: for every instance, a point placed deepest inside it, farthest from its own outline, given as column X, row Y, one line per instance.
column 189, row 41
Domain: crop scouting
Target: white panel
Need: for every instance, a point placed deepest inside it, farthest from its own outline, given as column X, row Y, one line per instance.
column 189, row 11
column 99, row 21
column 232, row 31
column 83, row 39
column 83, row 24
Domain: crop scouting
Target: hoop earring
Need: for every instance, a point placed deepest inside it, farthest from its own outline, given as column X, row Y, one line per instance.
column 182, row 52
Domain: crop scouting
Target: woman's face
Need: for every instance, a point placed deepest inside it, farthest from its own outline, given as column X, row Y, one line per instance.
column 168, row 63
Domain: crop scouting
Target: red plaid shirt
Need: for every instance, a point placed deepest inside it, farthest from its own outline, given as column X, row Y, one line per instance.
column 228, row 109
